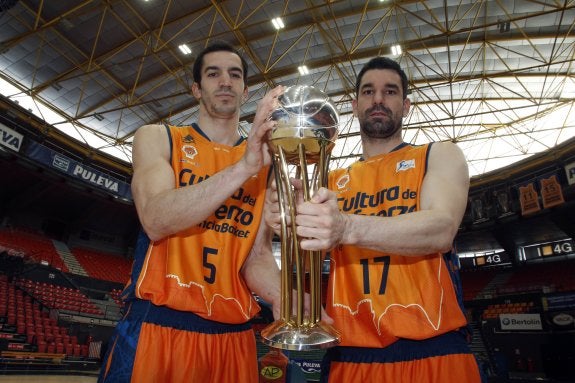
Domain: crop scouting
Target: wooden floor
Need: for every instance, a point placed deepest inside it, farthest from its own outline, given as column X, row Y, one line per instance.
column 47, row 379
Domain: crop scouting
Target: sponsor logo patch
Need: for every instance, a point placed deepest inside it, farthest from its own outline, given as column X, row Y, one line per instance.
column 404, row 165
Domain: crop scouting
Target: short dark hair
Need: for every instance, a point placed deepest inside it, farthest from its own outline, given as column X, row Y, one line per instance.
column 382, row 63
column 217, row 47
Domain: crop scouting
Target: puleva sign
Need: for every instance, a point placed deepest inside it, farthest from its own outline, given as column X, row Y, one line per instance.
column 10, row 138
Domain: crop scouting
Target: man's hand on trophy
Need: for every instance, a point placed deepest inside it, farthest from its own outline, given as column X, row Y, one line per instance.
column 257, row 151
column 272, row 213
column 320, row 224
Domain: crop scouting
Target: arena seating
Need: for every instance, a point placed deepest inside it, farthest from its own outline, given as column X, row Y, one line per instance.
column 115, row 294
column 60, row 298
column 30, row 331
column 540, row 277
column 474, row 281
column 37, row 248
column 103, row 266
column 32, row 245
column 493, row 311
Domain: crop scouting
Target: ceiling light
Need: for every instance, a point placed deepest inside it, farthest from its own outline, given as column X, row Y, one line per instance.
column 185, row 49
column 396, row 50
column 99, row 117
column 303, row 70
column 278, row 23
column 504, row 26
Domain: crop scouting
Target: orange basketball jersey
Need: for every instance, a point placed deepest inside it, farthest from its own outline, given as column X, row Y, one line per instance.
column 376, row 298
column 198, row 270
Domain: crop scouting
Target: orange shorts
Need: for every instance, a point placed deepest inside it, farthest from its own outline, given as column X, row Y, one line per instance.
column 438, row 360
column 181, row 348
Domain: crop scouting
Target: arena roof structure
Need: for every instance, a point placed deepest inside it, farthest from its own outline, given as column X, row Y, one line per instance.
column 495, row 77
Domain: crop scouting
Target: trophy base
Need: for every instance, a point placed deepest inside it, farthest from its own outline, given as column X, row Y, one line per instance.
column 287, row 336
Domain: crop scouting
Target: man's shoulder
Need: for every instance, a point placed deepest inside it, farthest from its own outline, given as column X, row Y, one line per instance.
column 149, row 129
column 444, row 148
column 152, row 126
column 446, row 155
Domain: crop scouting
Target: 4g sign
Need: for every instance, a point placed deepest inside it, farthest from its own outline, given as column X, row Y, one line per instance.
column 562, row 247
column 557, row 248
column 492, row 259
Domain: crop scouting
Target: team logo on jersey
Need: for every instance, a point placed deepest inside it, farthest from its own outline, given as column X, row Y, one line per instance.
column 404, row 165
column 342, row 181
column 190, row 151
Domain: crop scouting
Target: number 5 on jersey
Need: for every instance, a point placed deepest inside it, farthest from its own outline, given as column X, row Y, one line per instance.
column 211, row 277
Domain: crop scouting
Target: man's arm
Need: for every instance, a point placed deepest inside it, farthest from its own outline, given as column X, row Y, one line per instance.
column 261, row 271
column 164, row 210
column 431, row 229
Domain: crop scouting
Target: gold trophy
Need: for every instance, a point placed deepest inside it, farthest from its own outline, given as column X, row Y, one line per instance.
column 307, row 126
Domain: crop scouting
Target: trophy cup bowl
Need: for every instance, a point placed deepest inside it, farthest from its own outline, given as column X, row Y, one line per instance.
column 305, row 134
column 305, row 116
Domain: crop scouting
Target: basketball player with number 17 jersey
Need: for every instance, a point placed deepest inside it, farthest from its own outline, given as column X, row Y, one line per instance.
column 388, row 222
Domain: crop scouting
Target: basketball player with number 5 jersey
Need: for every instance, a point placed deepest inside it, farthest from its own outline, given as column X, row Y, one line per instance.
column 199, row 191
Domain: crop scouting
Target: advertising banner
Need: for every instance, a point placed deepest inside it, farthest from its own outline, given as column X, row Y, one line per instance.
column 520, row 322
column 78, row 171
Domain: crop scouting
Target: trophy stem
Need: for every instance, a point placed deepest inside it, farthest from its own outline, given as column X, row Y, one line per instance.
column 307, row 123
column 286, row 261
column 295, row 331
column 320, row 177
column 315, row 286
column 304, row 176
column 295, row 255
